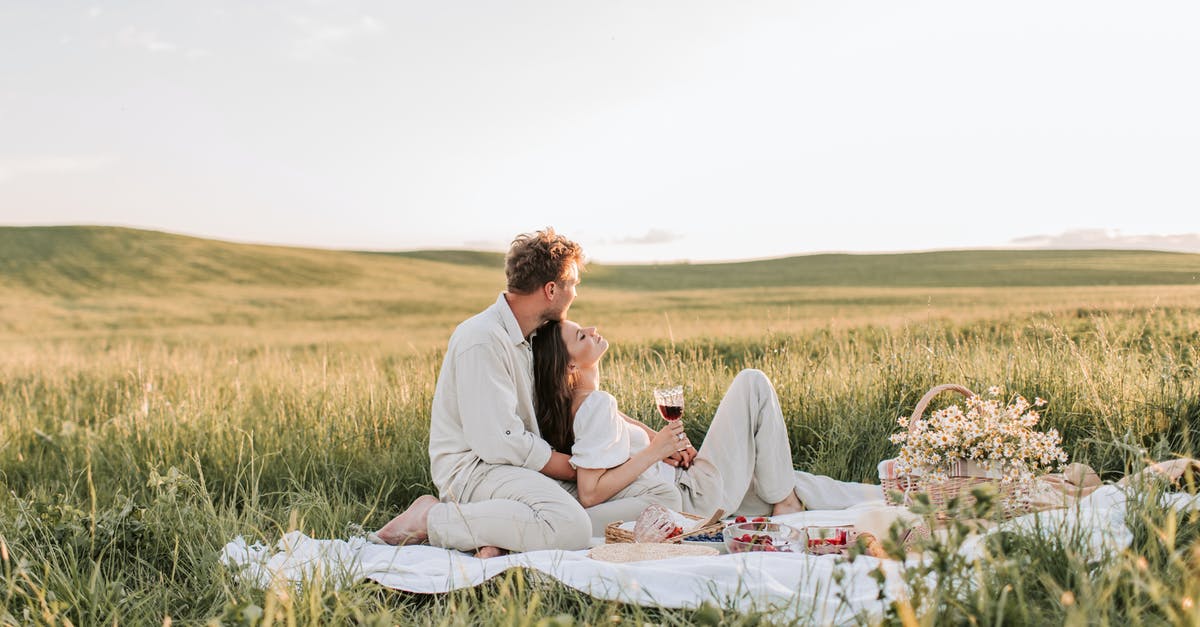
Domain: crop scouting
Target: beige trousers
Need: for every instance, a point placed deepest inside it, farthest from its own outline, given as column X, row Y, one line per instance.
column 512, row 508
column 744, row 467
column 745, row 464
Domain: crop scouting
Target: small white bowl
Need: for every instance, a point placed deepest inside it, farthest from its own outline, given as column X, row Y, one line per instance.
column 769, row 537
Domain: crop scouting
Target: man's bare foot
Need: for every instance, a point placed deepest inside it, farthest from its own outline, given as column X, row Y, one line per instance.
column 789, row 505
column 485, row 552
column 412, row 525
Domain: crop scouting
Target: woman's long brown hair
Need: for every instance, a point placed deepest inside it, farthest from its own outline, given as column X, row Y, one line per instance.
column 552, row 387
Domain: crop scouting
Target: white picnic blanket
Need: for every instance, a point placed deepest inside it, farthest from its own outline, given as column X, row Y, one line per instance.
column 795, row 587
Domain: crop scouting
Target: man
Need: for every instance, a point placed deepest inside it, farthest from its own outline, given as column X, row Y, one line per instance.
column 498, row 479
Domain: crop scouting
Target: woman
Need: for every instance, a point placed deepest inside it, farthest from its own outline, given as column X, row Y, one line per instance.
column 744, row 466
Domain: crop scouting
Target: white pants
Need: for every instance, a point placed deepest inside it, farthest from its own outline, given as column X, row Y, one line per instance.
column 512, row 508
column 821, row 492
column 745, row 464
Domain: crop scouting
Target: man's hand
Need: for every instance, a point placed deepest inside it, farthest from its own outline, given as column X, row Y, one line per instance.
column 689, row 455
column 682, row 458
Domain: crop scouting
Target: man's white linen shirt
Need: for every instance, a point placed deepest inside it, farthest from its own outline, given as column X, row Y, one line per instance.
column 483, row 402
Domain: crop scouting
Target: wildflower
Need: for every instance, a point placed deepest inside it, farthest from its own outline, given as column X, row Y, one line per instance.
column 998, row 436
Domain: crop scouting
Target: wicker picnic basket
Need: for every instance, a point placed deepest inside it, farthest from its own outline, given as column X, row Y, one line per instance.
column 613, row 534
column 964, row 476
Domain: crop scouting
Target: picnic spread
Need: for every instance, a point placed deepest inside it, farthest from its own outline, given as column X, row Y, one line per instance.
column 794, row 567
column 826, row 589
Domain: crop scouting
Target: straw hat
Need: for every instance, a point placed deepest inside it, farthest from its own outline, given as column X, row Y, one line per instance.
column 644, row 551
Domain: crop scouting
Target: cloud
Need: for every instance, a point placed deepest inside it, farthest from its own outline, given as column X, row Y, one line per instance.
column 133, row 37
column 320, row 37
column 1104, row 238
column 11, row 169
column 653, row 236
column 139, row 39
column 486, row 244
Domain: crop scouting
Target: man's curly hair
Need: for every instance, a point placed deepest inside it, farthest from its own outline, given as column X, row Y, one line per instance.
column 535, row 259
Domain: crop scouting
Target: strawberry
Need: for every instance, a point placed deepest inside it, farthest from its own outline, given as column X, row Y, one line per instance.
column 739, row 519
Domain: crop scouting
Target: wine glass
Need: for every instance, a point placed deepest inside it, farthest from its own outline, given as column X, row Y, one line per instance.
column 670, row 404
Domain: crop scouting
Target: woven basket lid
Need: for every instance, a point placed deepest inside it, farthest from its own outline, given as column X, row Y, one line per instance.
column 644, row 551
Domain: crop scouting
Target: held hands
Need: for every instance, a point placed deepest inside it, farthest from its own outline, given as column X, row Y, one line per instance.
column 682, row 458
column 668, row 441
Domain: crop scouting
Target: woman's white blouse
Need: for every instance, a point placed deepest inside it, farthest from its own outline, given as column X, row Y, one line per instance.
column 601, row 439
column 604, row 439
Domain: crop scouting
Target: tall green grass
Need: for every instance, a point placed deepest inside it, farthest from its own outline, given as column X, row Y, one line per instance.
column 126, row 464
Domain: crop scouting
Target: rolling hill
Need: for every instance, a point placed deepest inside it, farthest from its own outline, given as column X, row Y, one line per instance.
column 84, row 280
column 964, row 268
column 81, row 259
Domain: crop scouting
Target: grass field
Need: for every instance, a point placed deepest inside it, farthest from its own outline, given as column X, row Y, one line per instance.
column 160, row 395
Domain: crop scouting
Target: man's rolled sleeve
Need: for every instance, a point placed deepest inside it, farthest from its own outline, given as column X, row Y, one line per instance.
column 488, row 409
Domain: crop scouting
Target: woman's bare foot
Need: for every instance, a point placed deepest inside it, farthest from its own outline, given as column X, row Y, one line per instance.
column 411, row 526
column 789, row 505
column 485, row 552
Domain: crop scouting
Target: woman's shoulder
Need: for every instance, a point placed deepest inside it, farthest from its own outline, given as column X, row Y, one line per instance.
column 596, row 403
column 600, row 439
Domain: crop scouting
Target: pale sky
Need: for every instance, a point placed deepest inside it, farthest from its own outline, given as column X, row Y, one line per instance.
column 645, row 130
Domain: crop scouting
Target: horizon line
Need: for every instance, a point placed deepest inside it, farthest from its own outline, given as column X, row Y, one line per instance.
column 368, row 250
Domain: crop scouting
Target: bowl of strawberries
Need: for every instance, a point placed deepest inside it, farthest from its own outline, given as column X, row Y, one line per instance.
column 760, row 534
column 828, row 540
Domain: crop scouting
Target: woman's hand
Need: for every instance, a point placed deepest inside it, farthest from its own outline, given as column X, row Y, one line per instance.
column 668, row 441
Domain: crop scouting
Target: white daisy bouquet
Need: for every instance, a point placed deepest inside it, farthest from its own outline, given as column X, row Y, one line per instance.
column 997, row 437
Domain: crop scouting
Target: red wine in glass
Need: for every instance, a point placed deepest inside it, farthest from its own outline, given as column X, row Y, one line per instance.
column 671, row 412
column 670, row 403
